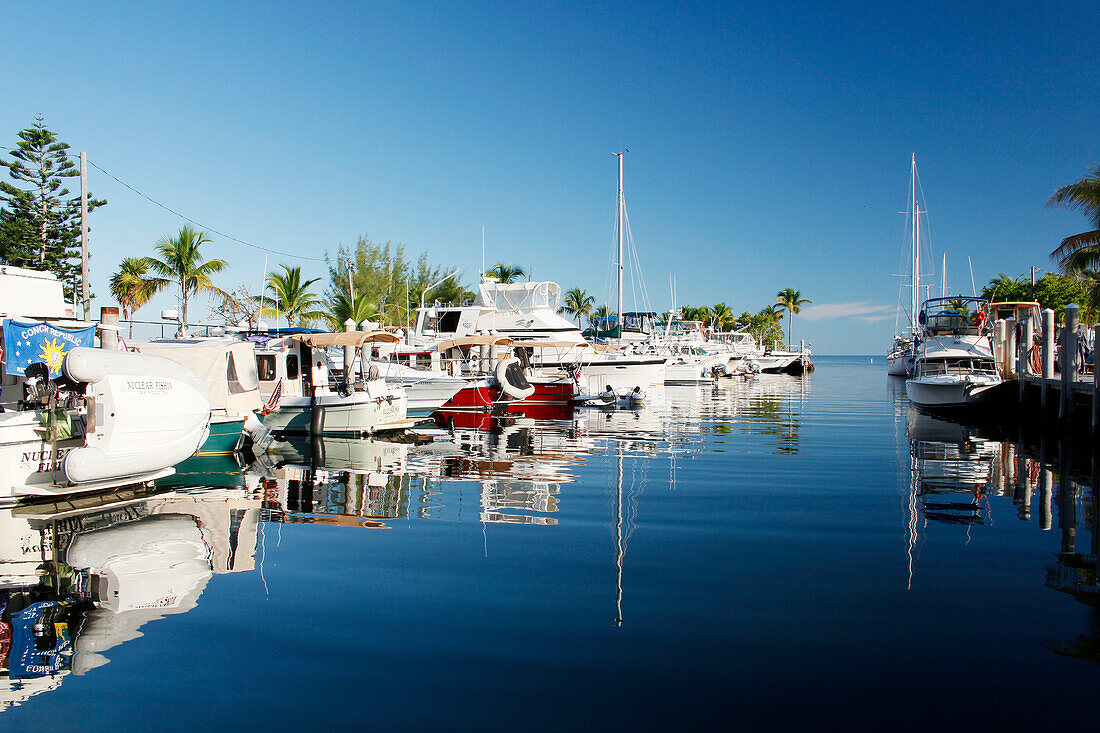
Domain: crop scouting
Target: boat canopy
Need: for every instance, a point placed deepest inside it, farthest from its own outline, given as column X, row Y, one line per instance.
column 347, row 338
column 479, row 340
column 226, row 367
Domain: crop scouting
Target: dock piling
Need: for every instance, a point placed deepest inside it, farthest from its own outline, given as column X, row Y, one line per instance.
column 1010, row 347
column 1048, row 354
column 1095, row 386
column 1068, row 361
column 108, row 335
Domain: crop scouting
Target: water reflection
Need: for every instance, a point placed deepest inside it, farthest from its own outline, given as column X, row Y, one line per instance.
column 78, row 580
column 956, row 475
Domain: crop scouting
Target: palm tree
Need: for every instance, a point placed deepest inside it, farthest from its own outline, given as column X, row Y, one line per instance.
column 132, row 287
column 604, row 311
column 1090, row 280
column 182, row 264
column 722, row 317
column 1080, row 251
column 292, row 297
column 790, row 300
column 578, row 303
column 506, row 273
column 339, row 310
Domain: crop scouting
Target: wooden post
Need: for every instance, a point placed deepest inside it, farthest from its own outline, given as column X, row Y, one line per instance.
column 1048, row 354
column 108, row 332
column 1095, row 385
column 349, row 351
column 1010, row 347
column 1068, row 361
column 1024, row 348
column 998, row 346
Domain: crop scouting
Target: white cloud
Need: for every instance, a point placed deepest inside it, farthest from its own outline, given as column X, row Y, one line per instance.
column 863, row 310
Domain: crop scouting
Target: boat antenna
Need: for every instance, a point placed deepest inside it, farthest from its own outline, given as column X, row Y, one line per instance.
column 482, row 251
column 973, row 287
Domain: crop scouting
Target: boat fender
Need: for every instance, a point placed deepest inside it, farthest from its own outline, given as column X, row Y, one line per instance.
column 510, row 377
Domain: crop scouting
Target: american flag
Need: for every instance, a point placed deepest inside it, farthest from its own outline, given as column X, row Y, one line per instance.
column 273, row 403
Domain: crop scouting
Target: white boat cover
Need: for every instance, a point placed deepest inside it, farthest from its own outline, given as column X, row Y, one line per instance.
column 227, row 367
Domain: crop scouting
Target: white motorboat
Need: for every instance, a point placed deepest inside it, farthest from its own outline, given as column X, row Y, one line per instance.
column 77, row 419
column 954, row 365
column 307, row 395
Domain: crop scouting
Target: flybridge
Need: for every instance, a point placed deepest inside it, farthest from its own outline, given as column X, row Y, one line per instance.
column 31, row 293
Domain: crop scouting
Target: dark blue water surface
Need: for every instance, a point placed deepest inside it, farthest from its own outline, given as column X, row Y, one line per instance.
column 785, row 551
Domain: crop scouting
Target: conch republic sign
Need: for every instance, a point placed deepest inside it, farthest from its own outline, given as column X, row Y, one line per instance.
column 27, row 342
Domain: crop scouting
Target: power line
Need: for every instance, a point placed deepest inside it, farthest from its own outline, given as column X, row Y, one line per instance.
column 189, row 219
column 199, row 224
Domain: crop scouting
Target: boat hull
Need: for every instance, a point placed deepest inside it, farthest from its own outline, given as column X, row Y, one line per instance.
column 226, row 436
column 941, row 391
column 899, row 366
column 354, row 414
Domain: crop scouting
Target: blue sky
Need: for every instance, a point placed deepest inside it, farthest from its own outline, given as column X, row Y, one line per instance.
column 769, row 144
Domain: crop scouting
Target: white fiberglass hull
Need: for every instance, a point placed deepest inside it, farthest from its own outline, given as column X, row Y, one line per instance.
column 949, row 390
column 357, row 413
column 899, row 366
column 30, row 468
column 690, row 372
column 622, row 375
column 428, row 395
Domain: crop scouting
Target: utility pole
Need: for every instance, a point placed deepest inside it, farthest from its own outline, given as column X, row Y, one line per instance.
column 84, row 237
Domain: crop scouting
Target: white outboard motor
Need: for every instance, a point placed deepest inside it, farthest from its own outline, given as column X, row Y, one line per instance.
column 510, row 377
column 146, row 413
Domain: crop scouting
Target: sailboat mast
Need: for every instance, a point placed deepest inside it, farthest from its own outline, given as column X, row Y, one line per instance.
column 621, row 211
column 915, row 284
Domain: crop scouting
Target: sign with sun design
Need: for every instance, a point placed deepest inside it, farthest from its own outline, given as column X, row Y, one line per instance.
column 28, row 342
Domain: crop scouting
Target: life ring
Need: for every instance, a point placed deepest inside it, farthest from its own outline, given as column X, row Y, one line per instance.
column 510, row 377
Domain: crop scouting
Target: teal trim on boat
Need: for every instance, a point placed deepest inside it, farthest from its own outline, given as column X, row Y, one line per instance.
column 222, row 471
column 225, row 436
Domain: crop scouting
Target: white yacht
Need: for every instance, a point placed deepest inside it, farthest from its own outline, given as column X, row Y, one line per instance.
column 527, row 312
column 954, row 365
column 78, row 419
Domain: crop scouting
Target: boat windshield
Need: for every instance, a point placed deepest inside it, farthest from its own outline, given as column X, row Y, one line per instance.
column 958, row 366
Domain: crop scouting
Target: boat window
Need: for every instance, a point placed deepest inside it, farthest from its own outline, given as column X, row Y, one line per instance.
column 265, row 367
column 291, row 366
column 448, row 322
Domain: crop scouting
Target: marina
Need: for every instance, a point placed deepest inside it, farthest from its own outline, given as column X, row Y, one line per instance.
column 378, row 569
column 341, row 389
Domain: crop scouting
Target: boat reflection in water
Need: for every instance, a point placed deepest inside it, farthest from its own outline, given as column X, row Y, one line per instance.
column 80, row 578
column 955, row 476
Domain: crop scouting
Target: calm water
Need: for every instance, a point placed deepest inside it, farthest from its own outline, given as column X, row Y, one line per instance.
column 754, row 555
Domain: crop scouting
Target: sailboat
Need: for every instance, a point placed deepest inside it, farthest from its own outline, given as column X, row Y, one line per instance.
column 902, row 353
